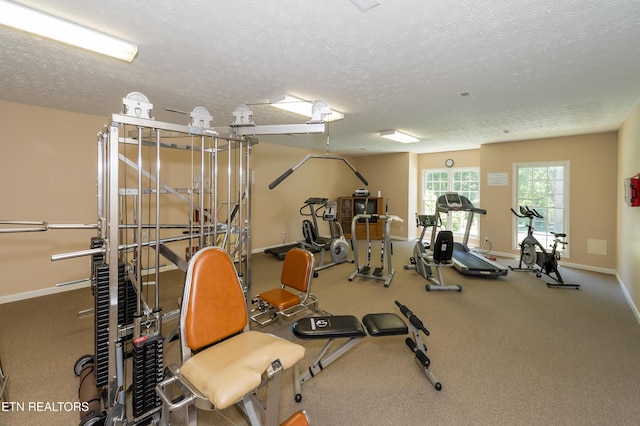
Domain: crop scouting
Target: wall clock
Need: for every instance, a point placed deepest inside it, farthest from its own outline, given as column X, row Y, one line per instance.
column 448, row 162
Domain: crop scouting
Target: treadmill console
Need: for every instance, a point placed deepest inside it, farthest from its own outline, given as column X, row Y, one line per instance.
column 453, row 200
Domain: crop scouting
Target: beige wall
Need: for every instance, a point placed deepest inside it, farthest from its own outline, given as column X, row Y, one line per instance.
column 593, row 182
column 47, row 173
column 466, row 158
column 628, row 218
column 276, row 211
column 593, row 172
column 392, row 175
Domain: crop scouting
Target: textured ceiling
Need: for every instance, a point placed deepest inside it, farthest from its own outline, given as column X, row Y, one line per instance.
column 536, row 68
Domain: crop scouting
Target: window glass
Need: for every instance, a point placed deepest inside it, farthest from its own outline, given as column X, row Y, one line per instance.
column 465, row 182
column 543, row 187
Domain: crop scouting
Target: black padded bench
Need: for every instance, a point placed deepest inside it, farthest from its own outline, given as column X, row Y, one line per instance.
column 350, row 328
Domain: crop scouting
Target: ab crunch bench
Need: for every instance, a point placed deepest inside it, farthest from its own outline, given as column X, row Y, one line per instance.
column 350, row 328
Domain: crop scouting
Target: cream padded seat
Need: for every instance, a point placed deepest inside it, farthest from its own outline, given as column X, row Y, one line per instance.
column 226, row 372
column 223, row 362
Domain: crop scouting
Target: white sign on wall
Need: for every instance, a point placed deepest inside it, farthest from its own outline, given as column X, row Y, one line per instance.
column 498, row 179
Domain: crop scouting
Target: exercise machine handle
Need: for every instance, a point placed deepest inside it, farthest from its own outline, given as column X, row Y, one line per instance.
column 514, row 212
column 421, row 356
column 40, row 226
column 417, row 323
column 407, row 313
column 310, row 156
column 536, row 214
column 280, row 179
column 360, row 177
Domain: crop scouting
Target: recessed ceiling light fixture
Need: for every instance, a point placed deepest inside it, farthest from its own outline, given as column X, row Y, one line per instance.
column 300, row 106
column 397, row 136
column 35, row 22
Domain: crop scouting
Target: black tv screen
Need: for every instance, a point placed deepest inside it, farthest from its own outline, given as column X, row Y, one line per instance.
column 366, row 207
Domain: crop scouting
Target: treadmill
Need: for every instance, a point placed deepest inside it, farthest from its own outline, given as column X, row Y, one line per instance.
column 467, row 262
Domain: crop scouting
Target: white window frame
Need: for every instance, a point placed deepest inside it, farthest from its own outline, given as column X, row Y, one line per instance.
column 519, row 225
column 447, row 224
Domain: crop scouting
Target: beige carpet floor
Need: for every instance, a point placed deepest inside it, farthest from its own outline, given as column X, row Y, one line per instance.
column 508, row 351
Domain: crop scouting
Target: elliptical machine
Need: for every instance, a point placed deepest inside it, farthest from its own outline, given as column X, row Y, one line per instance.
column 441, row 257
column 540, row 261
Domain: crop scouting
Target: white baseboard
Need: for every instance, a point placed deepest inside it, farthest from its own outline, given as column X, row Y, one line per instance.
column 565, row 264
column 60, row 288
column 633, row 306
column 44, row 292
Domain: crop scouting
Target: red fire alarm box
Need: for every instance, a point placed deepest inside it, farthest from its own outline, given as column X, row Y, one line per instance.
column 631, row 189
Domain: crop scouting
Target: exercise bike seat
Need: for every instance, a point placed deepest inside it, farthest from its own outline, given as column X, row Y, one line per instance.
column 312, row 238
column 558, row 234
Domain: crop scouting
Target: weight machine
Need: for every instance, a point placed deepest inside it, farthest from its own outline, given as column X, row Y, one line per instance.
column 163, row 189
column 148, row 215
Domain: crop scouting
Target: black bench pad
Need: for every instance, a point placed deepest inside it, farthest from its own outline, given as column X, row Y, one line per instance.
column 344, row 326
column 328, row 327
column 387, row 324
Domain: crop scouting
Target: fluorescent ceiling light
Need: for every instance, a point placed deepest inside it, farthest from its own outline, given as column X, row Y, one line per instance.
column 48, row 26
column 365, row 5
column 300, row 106
column 397, row 136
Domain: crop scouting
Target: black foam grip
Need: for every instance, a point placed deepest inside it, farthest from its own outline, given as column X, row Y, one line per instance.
column 412, row 318
column 418, row 324
column 280, row 179
column 361, row 177
column 412, row 345
column 407, row 313
column 424, row 360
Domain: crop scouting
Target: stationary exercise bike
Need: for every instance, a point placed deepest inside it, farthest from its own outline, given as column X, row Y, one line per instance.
column 442, row 254
column 534, row 255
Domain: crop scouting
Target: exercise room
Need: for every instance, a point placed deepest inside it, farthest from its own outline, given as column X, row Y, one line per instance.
column 348, row 212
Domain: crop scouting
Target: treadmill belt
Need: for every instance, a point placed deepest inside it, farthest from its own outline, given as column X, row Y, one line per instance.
column 474, row 265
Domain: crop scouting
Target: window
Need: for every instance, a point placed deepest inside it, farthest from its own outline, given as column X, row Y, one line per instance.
column 466, row 182
column 544, row 187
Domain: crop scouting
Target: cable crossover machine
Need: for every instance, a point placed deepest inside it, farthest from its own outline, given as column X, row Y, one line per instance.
column 164, row 191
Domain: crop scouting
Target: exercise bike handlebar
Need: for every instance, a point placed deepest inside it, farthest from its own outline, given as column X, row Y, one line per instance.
column 515, row 213
column 527, row 212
